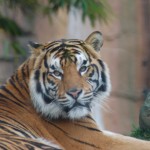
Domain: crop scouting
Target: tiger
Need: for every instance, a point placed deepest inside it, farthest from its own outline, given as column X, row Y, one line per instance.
column 48, row 103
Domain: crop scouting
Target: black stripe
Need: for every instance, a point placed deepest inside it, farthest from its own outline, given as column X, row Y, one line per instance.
column 47, row 99
column 24, row 76
column 82, row 142
column 12, row 95
column 102, row 64
column 45, row 61
column 89, row 128
column 86, row 143
column 6, row 141
column 60, row 42
column 84, row 122
column 95, row 81
column 10, row 99
column 19, row 123
column 96, row 67
column 15, row 130
column 55, row 49
column 22, row 132
column 89, row 117
column 91, row 73
column 44, row 80
column 12, row 83
column 37, row 75
column 52, row 67
column 103, row 87
column 3, row 99
column 39, row 88
column 58, row 127
column 20, row 83
column 63, row 47
column 38, row 144
column 51, row 45
column 51, row 82
column 6, row 111
column 103, row 77
column 75, row 60
column 7, row 130
column 84, row 62
column 27, row 68
column 75, row 51
column 3, row 147
column 38, row 84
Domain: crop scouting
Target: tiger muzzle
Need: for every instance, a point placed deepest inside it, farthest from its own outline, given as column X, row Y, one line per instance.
column 74, row 92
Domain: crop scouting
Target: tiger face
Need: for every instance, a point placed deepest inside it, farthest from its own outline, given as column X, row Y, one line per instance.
column 68, row 77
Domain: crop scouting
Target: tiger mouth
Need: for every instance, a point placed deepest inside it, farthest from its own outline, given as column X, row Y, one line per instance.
column 77, row 105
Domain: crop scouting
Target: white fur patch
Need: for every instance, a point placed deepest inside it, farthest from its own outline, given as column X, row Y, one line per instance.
column 78, row 112
column 46, row 142
column 104, row 95
column 98, row 101
column 50, row 110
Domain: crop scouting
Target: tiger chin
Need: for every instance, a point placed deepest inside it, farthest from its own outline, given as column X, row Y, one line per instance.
column 68, row 77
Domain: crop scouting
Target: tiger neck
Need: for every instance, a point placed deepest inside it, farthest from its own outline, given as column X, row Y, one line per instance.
column 17, row 86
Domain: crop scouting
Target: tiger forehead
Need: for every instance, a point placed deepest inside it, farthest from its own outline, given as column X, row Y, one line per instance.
column 65, row 56
column 61, row 53
column 65, row 48
column 72, row 45
column 63, row 43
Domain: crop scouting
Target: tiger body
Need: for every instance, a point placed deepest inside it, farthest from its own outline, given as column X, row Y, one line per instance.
column 47, row 103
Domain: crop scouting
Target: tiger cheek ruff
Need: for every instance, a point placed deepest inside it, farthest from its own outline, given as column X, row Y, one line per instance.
column 68, row 77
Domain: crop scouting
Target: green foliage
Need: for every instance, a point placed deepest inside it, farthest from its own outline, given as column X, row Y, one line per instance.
column 28, row 7
column 13, row 30
column 141, row 134
column 18, row 49
column 92, row 9
column 11, row 27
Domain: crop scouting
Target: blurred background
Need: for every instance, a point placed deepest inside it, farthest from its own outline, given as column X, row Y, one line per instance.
column 125, row 25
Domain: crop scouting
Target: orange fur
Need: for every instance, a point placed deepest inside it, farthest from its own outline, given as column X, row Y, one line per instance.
column 77, row 81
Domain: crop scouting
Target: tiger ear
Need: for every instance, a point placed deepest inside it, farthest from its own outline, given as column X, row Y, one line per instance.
column 36, row 48
column 95, row 39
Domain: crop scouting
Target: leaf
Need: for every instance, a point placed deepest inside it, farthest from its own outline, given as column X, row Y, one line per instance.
column 18, row 49
column 6, row 48
column 11, row 27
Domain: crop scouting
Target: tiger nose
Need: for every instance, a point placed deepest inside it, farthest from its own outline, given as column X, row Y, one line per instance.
column 74, row 92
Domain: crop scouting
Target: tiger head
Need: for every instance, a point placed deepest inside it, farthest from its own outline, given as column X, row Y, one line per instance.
column 68, row 77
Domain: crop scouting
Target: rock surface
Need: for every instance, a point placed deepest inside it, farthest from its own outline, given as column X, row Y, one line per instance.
column 144, row 118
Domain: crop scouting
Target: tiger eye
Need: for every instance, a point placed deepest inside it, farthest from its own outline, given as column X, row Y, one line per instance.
column 57, row 73
column 83, row 69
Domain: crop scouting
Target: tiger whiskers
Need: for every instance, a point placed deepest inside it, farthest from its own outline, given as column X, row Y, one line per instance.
column 102, row 104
